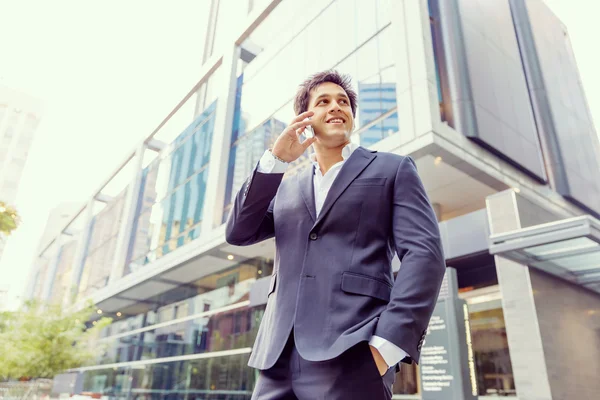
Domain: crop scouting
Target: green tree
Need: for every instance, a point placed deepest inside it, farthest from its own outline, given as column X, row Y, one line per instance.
column 9, row 219
column 42, row 340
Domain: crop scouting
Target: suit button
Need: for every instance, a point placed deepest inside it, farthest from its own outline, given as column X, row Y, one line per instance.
column 313, row 236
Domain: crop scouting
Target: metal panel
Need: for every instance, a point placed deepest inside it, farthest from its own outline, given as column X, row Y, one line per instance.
column 569, row 249
column 566, row 128
column 464, row 235
column 488, row 88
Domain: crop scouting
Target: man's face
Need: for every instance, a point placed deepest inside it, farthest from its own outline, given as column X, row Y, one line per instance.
column 332, row 121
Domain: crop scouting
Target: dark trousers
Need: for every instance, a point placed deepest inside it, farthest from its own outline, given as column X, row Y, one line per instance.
column 351, row 376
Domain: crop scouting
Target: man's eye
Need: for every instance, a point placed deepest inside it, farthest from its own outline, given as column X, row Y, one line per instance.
column 322, row 101
column 343, row 101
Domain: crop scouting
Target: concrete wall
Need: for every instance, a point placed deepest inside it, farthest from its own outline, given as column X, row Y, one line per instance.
column 569, row 320
column 553, row 326
column 569, row 323
column 520, row 314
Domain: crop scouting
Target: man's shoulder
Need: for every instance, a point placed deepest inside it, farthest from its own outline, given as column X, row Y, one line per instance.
column 390, row 158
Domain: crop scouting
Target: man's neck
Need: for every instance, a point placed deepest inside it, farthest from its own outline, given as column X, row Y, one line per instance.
column 328, row 157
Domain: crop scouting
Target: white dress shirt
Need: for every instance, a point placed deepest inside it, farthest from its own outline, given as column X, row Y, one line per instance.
column 268, row 164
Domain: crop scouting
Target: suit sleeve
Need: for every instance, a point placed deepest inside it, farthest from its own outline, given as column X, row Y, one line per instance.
column 251, row 218
column 417, row 240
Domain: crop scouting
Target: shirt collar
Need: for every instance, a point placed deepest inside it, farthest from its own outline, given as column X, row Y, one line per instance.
column 346, row 152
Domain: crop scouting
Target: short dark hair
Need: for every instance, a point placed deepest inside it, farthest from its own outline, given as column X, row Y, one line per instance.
column 303, row 94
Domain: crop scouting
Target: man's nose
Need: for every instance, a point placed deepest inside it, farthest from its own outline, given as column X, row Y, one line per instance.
column 334, row 106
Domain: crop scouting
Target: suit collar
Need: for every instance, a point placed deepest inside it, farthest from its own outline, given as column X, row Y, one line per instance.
column 307, row 190
column 346, row 153
column 356, row 163
column 358, row 160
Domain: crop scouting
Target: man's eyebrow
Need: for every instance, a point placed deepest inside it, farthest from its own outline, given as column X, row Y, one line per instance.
column 340, row 94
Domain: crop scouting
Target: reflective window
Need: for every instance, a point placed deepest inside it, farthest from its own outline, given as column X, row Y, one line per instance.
column 64, row 271
column 490, row 347
column 228, row 330
column 170, row 205
column 102, row 245
column 264, row 95
column 207, row 94
column 217, row 378
column 42, row 266
column 271, row 78
column 230, row 285
column 406, row 380
column 231, row 16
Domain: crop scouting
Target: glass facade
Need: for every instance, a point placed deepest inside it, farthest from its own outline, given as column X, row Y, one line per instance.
column 438, row 52
column 215, row 378
column 170, row 204
column 208, row 332
column 490, row 347
column 42, row 266
column 64, row 271
column 100, row 251
column 215, row 291
column 208, row 322
column 363, row 49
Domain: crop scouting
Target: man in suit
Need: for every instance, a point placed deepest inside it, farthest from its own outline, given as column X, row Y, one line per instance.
column 337, row 324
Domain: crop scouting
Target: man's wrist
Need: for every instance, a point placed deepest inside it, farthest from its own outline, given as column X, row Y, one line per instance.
column 391, row 353
column 277, row 157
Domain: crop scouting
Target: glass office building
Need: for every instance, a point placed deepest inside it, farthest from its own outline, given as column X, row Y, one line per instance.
column 485, row 96
column 20, row 116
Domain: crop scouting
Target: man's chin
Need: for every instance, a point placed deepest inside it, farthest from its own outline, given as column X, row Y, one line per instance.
column 336, row 134
column 333, row 140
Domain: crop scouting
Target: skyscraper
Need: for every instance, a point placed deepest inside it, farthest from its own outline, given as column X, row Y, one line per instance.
column 20, row 116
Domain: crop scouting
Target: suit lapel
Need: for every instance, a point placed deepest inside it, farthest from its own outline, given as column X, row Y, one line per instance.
column 357, row 162
column 307, row 190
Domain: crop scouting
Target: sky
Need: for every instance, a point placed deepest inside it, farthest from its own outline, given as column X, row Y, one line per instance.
column 108, row 72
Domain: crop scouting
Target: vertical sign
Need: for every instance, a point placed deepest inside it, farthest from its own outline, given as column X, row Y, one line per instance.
column 446, row 364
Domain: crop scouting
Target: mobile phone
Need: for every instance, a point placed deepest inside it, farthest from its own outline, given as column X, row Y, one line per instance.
column 308, row 131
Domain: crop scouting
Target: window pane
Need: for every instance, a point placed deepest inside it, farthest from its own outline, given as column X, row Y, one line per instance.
column 384, row 11
column 490, row 347
column 406, row 380
column 101, row 247
column 172, row 194
column 209, row 378
column 229, row 330
column 366, row 25
column 263, row 88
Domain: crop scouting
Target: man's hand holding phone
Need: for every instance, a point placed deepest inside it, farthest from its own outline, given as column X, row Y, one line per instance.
column 288, row 147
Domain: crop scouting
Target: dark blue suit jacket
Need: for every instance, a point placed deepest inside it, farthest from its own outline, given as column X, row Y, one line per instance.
column 332, row 281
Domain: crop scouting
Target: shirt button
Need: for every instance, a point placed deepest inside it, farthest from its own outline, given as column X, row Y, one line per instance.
column 313, row 236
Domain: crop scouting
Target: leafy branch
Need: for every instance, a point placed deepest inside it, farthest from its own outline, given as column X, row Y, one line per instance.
column 9, row 219
column 42, row 340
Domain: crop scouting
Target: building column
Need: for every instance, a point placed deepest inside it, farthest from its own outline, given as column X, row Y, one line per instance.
column 125, row 235
column 520, row 314
column 51, row 274
column 80, row 252
column 212, row 213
